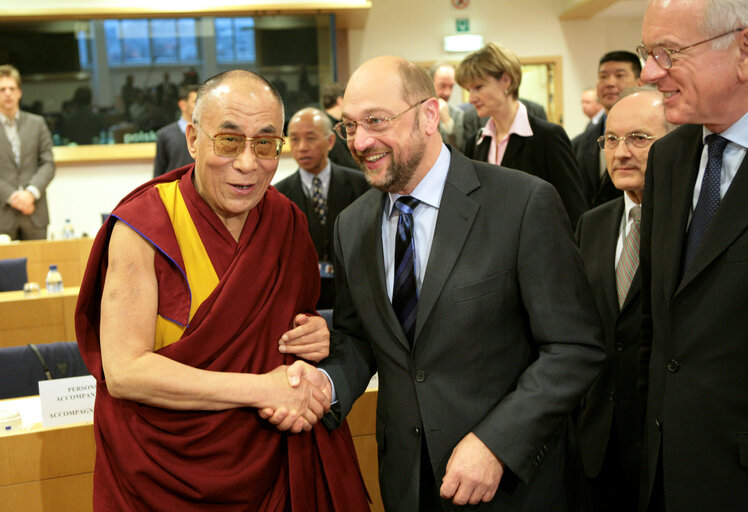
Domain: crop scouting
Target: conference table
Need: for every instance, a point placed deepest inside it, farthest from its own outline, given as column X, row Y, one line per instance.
column 37, row 318
column 51, row 469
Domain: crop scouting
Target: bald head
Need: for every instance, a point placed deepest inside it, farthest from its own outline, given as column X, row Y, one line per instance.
column 222, row 84
column 311, row 138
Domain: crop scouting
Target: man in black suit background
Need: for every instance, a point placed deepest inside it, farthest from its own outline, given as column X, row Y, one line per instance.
column 320, row 188
column 617, row 70
column 332, row 102
column 473, row 307
column 694, row 258
column 609, row 422
column 171, row 144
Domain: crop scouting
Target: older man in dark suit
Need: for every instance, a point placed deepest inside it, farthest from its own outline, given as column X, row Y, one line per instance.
column 458, row 281
column 320, row 188
column 609, row 423
column 694, row 258
column 26, row 164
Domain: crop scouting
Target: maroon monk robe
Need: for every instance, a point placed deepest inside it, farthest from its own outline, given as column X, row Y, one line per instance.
column 149, row 458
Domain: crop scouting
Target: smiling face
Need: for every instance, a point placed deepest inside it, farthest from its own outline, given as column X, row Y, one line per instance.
column 393, row 159
column 640, row 113
column 702, row 86
column 233, row 186
column 309, row 141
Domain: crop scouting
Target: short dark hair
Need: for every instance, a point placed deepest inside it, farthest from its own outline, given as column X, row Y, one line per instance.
column 186, row 90
column 330, row 94
column 623, row 56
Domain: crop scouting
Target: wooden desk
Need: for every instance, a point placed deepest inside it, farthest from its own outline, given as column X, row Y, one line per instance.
column 39, row 318
column 51, row 469
column 70, row 256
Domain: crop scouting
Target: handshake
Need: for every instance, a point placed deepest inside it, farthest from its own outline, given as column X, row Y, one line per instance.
column 299, row 396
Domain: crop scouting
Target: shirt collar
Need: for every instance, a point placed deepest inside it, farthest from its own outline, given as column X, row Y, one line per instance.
column 323, row 175
column 6, row 120
column 628, row 205
column 429, row 191
column 737, row 133
column 182, row 123
column 520, row 125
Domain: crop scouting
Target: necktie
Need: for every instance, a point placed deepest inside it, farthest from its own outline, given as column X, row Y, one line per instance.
column 629, row 260
column 708, row 201
column 11, row 130
column 404, row 295
column 320, row 205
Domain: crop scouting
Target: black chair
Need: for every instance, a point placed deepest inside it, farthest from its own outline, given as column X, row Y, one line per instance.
column 21, row 368
column 12, row 274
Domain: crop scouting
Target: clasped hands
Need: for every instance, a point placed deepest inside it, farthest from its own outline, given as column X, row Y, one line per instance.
column 302, row 394
column 23, row 201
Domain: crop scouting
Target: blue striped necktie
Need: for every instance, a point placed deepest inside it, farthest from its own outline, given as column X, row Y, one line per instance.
column 709, row 197
column 404, row 294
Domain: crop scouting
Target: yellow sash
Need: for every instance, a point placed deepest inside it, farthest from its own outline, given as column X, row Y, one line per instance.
column 201, row 276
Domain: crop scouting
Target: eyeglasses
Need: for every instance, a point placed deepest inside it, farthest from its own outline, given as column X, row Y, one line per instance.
column 662, row 55
column 347, row 129
column 231, row 145
column 637, row 140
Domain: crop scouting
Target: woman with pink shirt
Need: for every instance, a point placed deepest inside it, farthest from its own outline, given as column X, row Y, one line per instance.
column 512, row 137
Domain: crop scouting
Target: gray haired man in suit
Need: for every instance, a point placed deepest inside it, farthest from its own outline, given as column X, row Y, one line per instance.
column 458, row 281
column 26, row 163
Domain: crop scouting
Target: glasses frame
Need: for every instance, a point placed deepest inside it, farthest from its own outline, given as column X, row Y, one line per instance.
column 660, row 53
column 252, row 143
column 341, row 131
column 602, row 139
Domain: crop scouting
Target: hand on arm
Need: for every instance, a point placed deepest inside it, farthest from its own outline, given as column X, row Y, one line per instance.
column 309, row 339
column 473, row 473
column 133, row 371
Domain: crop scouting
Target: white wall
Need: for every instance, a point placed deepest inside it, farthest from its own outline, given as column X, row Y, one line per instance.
column 414, row 29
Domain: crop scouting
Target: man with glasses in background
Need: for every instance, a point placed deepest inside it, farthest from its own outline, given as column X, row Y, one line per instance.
column 458, row 281
column 191, row 286
column 694, row 258
column 609, row 421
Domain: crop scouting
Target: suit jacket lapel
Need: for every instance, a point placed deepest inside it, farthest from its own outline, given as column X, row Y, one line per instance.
column 456, row 215
column 728, row 223
column 336, row 193
column 5, row 147
column 513, row 148
column 683, row 178
column 608, row 245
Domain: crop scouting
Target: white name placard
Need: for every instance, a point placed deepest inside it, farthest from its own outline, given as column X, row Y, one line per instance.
column 66, row 401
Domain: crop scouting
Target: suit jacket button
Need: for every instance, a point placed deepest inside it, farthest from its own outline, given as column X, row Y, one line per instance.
column 416, row 431
column 658, row 424
column 619, row 347
column 420, row 376
column 673, row 366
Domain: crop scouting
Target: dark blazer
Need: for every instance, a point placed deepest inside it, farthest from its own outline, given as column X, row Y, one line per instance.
column 596, row 189
column 697, row 407
column 340, row 154
column 618, row 393
column 547, row 155
column 507, row 338
column 171, row 150
column 345, row 186
column 37, row 168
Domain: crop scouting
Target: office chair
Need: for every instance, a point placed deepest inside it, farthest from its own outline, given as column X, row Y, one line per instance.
column 12, row 274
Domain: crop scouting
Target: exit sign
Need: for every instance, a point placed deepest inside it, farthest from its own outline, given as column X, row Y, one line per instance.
column 462, row 25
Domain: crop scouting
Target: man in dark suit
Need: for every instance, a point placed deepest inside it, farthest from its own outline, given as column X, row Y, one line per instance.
column 694, row 249
column 26, row 163
column 454, row 125
column 332, row 102
column 617, row 71
column 609, row 422
column 320, row 188
column 474, row 309
column 171, row 144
